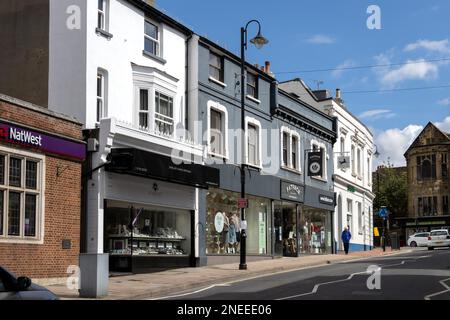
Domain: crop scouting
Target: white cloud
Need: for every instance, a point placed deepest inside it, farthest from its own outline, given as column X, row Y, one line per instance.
column 441, row 46
column 377, row 114
column 413, row 70
column 444, row 102
column 321, row 39
column 444, row 125
column 339, row 69
column 393, row 143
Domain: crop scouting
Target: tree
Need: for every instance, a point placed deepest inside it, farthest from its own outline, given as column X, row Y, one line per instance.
column 391, row 190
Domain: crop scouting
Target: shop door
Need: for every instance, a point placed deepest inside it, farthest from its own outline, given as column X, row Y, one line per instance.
column 278, row 229
column 289, row 229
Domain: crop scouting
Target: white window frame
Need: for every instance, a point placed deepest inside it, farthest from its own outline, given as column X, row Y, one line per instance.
column 257, row 124
column 325, row 159
column 359, row 162
column 213, row 105
column 360, row 217
column 158, row 41
column 353, row 159
column 39, row 192
column 105, row 16
column 290, row 135
column 169, row 96
column 142, row 111
column 350, row 213
column 103, row 97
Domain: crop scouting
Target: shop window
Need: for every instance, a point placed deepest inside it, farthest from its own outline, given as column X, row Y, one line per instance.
column 223, row 224
column 151, row 39
column 216, row 67
column 20, row 197
column 350, row 213
column 164, row 113
column 315, row 231
column 445, row 207
column 360, row 218
column 217, row 133
column 146, row 230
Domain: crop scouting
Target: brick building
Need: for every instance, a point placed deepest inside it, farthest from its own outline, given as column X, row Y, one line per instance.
column 41, row 153
column 428, row 181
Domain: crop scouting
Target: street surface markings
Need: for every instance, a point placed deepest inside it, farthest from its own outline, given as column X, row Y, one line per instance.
column 443, row 283
column 316, row 287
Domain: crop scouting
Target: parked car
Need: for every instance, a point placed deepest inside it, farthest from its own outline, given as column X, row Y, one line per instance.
column 419, row 239
column 438, row 238
column 21, row 288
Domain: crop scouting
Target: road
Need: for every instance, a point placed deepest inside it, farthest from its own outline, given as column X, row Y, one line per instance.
column 417, row 275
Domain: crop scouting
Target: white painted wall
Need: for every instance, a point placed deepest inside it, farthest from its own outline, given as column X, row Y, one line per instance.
column 75, row 57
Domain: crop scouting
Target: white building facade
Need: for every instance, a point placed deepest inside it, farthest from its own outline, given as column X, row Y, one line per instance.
column 352, row 181
column 120, row 67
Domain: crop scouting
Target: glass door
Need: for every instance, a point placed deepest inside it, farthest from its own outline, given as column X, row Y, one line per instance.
column 289, row 213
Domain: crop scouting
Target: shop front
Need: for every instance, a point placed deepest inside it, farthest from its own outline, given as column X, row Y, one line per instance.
column 302, row 221
column 223, row 224
column 150, row 211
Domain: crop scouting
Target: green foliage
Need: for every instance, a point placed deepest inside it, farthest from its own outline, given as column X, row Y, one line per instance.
column 392, row 191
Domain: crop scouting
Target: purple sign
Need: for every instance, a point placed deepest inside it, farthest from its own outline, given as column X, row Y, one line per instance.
column 45, row 143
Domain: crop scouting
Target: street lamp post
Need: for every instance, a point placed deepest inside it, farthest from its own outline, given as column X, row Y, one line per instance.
column 259, row 41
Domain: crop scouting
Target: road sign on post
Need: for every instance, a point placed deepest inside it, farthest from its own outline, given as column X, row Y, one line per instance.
column 383, row 213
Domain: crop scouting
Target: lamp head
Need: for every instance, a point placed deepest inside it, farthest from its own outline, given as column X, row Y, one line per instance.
column 259, row 41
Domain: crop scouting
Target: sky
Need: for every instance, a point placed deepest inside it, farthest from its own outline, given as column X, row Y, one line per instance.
column 413, row 45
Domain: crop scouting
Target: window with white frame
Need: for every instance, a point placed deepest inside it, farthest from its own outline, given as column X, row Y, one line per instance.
column 285, row 153
column 295, row 153
column 163, row 113
column 20, row 196
column 144, row 112
column 353, row 160
column 252, row 85
column 102, row 15
column 101, row 94
column 350, row 213
column 216, row 67
column 290, row 142
column 358, row 159
column 152, row 39
column 342, row 146
column 360, row 217
column 253, row 147
column 369, row 174
column 217, row 134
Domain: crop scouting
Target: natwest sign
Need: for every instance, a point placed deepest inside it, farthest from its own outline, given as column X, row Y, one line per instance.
column 14, row 134
column 24, row 136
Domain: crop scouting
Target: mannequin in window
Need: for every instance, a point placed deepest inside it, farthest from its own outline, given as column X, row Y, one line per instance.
column 226, row 224
column 236, row 223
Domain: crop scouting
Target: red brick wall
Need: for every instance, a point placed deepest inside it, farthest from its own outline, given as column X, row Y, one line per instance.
column 62, row 206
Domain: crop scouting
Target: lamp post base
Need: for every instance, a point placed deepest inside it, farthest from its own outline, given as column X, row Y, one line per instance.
column 242, row 266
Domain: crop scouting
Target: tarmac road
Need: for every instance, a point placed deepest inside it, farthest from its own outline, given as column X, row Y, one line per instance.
column 418, row 275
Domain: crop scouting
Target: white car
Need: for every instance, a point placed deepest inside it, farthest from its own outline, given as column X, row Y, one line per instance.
column 438, row 238
column 419, row 239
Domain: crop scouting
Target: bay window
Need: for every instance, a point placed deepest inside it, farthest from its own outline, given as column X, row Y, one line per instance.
column 163, row 113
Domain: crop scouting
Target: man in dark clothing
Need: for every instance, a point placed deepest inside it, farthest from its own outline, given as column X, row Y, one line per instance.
column 346, row 236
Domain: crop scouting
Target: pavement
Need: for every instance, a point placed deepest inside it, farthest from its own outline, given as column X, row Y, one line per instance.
column 170, row 282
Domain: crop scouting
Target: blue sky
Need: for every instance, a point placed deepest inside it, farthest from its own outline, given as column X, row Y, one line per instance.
column 310, row 35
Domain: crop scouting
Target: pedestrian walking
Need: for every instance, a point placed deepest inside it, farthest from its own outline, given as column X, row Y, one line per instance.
column 346, row 236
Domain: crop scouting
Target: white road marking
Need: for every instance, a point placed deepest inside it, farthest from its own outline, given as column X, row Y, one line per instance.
column 447, row 289
column 316, row 287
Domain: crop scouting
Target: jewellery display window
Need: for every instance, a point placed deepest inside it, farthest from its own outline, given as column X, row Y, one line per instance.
column 135, row 230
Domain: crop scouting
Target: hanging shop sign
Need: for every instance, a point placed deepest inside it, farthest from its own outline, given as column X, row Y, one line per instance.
column 343, row 162
column 24, row 137
column 292, row 191
column 315, row 160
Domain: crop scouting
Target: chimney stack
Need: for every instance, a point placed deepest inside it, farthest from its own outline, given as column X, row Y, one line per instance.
column 338, row 94
column 150, row 2
column 267, row 69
